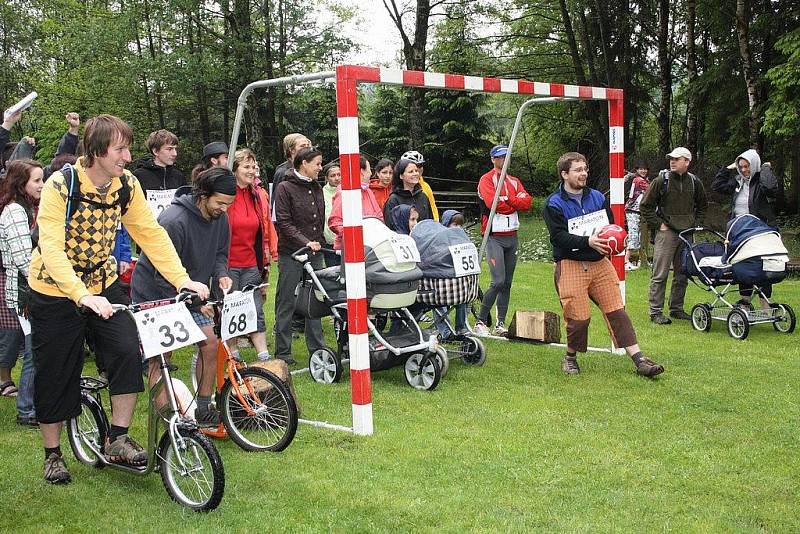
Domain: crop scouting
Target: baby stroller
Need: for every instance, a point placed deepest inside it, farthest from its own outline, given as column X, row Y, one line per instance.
column 449, row 263
column 392, row 279
column 751, row 253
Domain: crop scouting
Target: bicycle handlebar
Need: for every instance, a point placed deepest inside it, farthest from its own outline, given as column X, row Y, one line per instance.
column 246, row 289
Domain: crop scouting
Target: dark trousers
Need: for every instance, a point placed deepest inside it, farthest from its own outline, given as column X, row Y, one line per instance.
column 58, row 332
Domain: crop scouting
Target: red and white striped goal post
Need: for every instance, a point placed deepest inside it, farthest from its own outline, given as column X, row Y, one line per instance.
column 347, row 79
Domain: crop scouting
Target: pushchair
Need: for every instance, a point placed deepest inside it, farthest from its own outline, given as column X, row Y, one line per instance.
column 750, row 253
column 392, row 278
column 451, row 273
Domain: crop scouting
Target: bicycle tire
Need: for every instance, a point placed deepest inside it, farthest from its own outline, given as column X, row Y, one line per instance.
column 91, row 425
column 206, row 494
column 269, row 421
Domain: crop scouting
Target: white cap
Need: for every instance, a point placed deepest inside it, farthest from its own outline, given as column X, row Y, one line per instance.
column 680, row 152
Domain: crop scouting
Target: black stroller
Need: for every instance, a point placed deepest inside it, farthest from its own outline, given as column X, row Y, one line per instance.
column 752, row 254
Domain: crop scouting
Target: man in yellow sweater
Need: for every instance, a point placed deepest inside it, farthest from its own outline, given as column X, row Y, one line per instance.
column 418, row 159
column 73, row 267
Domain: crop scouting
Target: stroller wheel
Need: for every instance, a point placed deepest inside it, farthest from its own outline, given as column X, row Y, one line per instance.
column 422, row 371
column 701, row 317
column 738, row 325
column 444, row 361
column 325, row 366
column 785, row 319
column 473, row 351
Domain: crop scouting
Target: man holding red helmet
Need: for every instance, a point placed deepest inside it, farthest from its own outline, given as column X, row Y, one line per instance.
column 574, row 214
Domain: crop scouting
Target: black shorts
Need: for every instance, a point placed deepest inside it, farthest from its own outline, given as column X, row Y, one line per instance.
column 58, row 331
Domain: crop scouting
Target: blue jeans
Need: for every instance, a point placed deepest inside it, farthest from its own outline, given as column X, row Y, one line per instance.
column 26, row 376
column 440, row 314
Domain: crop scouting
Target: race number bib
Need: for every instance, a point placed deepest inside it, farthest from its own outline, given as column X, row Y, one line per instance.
column 166, row 328
column 586, row 225
column 505, row 223
column 238, row 315
column 159, row 199
column 465, row 259
column 405, row 249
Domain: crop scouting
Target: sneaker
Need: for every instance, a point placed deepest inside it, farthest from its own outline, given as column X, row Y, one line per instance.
column 55, row 470
column 500, row 330
column 647, row 367
column 480, row 329
column 264, row 356
column 660, row 319
column 28, row 421
column 570, row 365
column 463, row 331
column 207, row 417
column 680, row 315
column 124, row 450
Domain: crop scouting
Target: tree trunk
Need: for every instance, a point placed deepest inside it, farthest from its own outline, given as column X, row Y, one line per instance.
column 691, row 71
column 152, row 48
column 665, row 77
column 742, row 33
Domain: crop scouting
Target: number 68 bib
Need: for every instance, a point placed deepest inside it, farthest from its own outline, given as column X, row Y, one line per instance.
column 166, row 328
column 238, row 315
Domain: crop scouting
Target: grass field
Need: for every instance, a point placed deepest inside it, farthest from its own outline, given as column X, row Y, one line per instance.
column 711, row 445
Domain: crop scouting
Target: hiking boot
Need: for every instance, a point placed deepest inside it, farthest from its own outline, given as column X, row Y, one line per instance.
column 660, row 319
column 124, row 450
column 570, row 365
column 207, row 417
column 480, row 329
column 647, row 367
column 500, row 330
column 680, row 315
column 55, row 469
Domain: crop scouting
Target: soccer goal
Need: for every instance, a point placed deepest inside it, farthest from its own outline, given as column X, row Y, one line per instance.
column 347, row 78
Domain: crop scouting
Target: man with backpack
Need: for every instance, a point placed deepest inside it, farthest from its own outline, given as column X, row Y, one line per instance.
column 675, row 201
column 72, row 271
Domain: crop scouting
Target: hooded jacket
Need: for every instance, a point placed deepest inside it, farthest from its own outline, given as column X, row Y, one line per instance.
column 335, row 221
column 202, row 247
column 763, row 187
column 153, row 176
column 398, row 218
column 416, row 198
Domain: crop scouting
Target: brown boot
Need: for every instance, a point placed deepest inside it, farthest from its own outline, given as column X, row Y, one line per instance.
column 645, row 366
column 570, row 365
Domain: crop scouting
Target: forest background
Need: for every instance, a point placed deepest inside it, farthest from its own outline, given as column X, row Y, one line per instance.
column 716, row 76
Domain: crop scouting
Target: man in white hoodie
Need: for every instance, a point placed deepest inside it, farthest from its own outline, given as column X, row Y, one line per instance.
column 752, row 187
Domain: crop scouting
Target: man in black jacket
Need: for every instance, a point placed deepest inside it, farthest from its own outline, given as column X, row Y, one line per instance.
column 157, row 172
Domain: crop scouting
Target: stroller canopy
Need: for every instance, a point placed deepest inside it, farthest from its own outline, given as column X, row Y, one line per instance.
column 440, row 248
column 750, row 237
column 382, row 261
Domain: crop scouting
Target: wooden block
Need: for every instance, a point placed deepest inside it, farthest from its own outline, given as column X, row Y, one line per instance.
column 280, row 369
column 537, row 325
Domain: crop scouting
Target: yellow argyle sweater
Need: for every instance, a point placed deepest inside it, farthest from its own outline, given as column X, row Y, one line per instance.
column 89, row 239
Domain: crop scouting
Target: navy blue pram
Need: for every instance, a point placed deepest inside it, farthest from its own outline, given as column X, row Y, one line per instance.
column 752, row 254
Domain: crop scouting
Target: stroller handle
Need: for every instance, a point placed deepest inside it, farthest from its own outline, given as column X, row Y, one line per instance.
column 685, row 234
column 302, row 256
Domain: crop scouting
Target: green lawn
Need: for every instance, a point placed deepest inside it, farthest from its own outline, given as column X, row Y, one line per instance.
column 710, row 445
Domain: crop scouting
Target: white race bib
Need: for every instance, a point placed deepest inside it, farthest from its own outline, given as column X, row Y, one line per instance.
column 159, row 199
column 238, row 315
column 405, row 249
column 505, row 223
column 465, row 259
column 166, row 328
column 586, row 225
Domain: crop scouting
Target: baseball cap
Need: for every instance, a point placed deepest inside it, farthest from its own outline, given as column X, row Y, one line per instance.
column 215, row 149
column 680, row 152
column 498, row 151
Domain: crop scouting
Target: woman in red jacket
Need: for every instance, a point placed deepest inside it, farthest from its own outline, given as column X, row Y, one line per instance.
column 501, row 246
column 253, row 240
column 369, row 205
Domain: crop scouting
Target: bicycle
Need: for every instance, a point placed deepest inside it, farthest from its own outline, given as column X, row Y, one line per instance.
column 190, row 466
column 258, row 413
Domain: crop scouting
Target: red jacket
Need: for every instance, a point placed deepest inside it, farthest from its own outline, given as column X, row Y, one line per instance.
column 380, row 191
column 268, row 251
column 513, row 197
